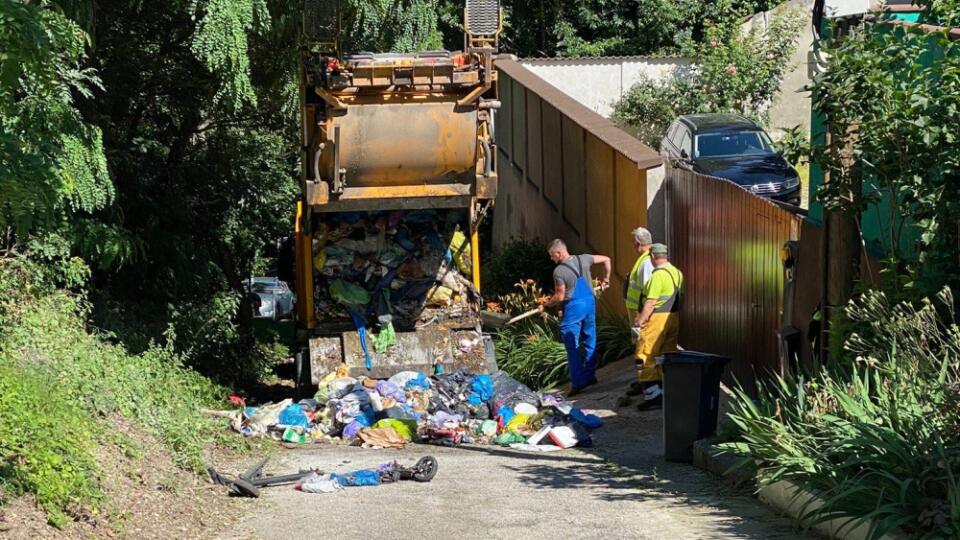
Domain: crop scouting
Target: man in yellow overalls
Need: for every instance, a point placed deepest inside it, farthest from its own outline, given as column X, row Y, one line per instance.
column 659, row 322
column 633, row 295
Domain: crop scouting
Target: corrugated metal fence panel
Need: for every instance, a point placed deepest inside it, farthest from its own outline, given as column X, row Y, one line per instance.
column 727, row 242
column 567, row 172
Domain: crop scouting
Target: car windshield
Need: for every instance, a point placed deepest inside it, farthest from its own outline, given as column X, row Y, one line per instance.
column 743, row 143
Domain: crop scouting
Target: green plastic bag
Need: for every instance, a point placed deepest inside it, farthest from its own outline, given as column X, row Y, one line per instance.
column 294, row 436
column 385, row 339
column 507, row 438
column 349, row 294
column 405, row 428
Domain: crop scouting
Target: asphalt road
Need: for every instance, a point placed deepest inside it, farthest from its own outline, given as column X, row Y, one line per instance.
column 621, row 488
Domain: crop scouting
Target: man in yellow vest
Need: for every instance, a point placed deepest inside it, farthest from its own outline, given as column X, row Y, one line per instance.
column 659, row 322
column 633, row 294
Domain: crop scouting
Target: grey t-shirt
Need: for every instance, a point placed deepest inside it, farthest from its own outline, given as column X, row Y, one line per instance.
column 568, row 271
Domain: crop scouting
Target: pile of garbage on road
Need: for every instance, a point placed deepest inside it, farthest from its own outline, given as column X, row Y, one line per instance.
column 407, row 265
column 446, row 409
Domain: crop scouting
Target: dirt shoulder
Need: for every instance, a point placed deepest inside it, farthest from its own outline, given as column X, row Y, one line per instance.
column 146, row 497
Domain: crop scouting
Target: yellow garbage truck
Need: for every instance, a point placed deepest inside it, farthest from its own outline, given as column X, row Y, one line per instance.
column 399, row 169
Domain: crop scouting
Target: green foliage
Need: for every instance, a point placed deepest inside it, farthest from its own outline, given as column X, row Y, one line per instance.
column 794, row 146
column 517, row 260
column 220, row 41
column 614, row 337
column 879, row 439
column 46, row 442
column 607, row 27
column 60, row 386
column 51, row 161
column 532, row 354
column 890, row 96
column 649, row 107
column 392, row 25
column 731, row 72
column 205, row 187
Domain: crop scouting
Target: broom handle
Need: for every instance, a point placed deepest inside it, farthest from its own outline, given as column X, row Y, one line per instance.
column 530, row 313
column 534, row 311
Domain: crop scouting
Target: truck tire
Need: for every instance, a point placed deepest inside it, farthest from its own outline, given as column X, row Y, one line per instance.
column 303, row 379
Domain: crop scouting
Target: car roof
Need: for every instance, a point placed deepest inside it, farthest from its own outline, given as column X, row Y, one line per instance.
column 266, row 280
column 717, row 122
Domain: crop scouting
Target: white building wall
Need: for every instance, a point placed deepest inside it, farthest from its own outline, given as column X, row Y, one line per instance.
column 600, row 82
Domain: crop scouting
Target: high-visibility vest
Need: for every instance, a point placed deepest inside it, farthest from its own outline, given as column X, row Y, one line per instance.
column 671, row 302
column 633, row 290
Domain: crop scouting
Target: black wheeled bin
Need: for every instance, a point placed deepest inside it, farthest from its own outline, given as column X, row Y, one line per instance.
column 691, row 396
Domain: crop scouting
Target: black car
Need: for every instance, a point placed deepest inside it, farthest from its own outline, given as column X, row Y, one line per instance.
column 733, row 147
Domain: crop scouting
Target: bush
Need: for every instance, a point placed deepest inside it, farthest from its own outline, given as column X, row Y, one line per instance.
column 878, row 440
column 517, row 260
column 732, row 72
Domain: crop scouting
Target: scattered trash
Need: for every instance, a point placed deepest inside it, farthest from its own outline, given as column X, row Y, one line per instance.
column 423, row 471
column 447, row 409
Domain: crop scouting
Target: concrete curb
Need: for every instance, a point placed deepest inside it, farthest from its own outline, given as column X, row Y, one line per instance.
column 784, row 495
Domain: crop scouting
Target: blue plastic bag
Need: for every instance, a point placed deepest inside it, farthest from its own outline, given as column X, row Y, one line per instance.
column 506, row 413
column 591, row 421
column 482, row 387
column 419, row 383
column 294, row 416
column 363, row 477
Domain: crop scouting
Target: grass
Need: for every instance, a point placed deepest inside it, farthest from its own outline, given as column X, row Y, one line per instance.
column 59, row 385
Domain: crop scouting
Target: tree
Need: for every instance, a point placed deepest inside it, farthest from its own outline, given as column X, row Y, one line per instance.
column 607, row 27
column 730, row 72
column 52, row 165
column 890, row 96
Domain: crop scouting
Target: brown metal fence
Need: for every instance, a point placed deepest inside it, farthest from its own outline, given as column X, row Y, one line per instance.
column 727, row 242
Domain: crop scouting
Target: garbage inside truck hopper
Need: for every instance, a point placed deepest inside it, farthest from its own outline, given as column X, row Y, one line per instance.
column 394, row 288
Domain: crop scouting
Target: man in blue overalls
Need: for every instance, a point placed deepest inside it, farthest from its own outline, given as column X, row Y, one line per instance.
column 573, row 287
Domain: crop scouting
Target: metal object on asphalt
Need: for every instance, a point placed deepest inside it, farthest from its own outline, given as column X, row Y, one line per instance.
column 249, row 483
column 423, row 471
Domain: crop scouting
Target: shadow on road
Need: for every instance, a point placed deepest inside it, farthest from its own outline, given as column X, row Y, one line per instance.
column 626, row 464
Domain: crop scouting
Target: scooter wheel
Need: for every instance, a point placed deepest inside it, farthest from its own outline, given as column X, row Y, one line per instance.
column 425, row 469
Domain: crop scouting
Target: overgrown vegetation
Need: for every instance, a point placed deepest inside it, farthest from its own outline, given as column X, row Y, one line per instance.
column 878, row 440
column 59, row 386
column 730, row 72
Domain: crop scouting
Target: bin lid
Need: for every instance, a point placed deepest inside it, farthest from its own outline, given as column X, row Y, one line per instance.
column 692, row 357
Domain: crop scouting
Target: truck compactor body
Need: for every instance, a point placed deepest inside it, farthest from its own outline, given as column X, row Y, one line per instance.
column 399, row 168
